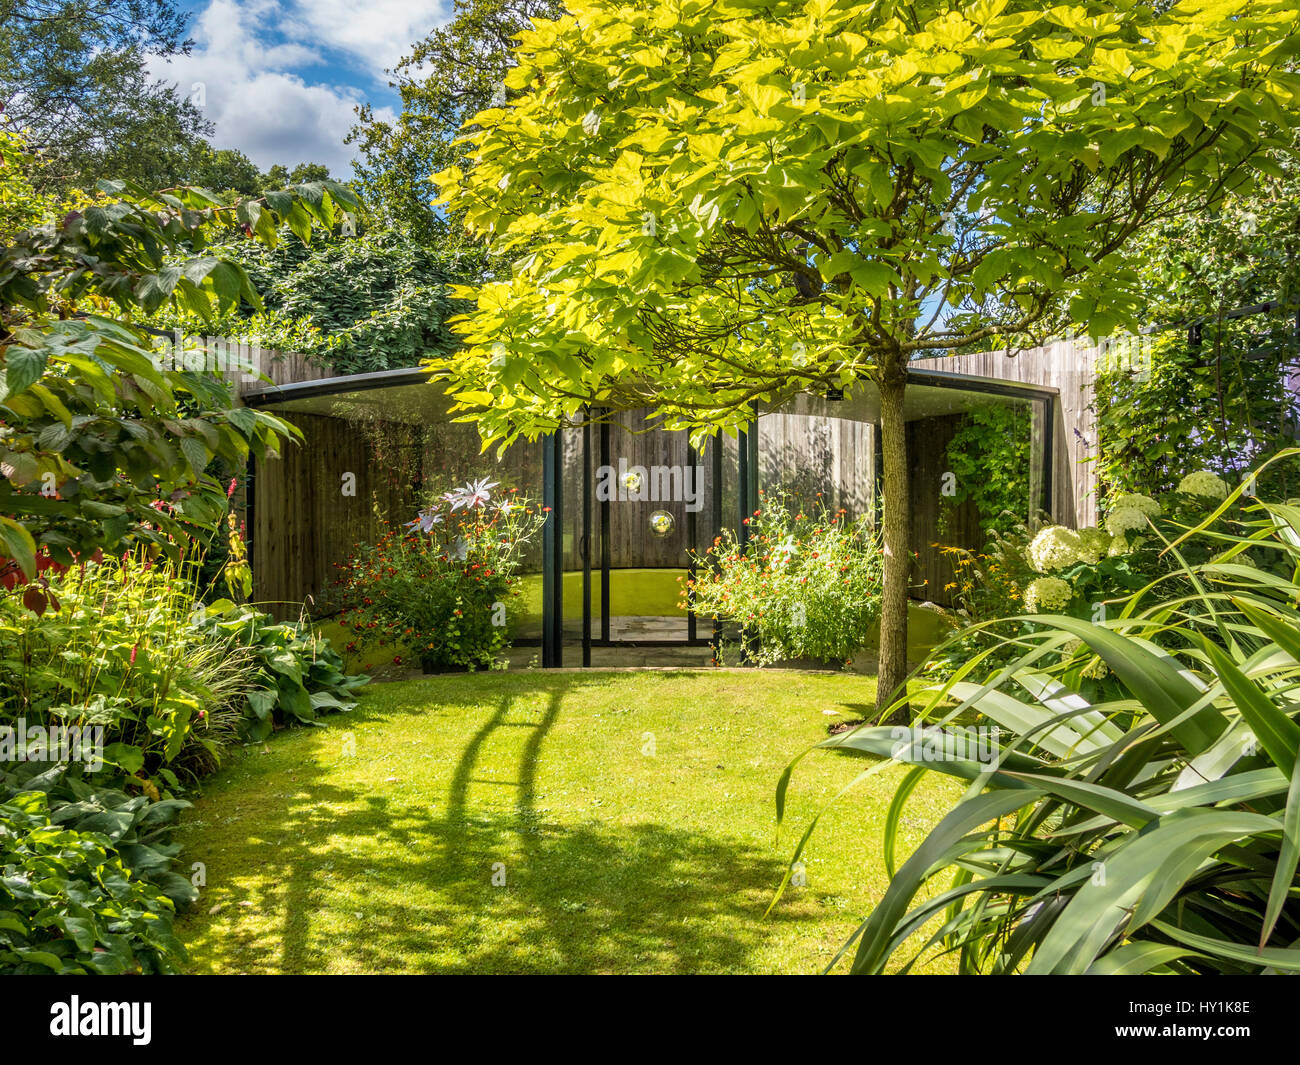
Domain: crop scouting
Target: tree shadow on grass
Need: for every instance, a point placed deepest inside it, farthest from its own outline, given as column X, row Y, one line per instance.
column 462, row 887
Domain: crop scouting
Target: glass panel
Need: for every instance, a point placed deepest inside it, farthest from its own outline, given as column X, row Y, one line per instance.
column 368, row 460
column 971, row 453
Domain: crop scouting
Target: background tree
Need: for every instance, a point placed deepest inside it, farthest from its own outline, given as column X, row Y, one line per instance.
column 73, row 80
column 280, row 176
column 450, row 75
column 229, row 170
column 1228, row 402
column 715, row 206
column 357, row 302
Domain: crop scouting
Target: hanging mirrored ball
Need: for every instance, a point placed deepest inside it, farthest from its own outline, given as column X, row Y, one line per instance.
column 662, row 523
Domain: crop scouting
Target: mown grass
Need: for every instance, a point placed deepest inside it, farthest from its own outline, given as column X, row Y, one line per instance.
column 631, row 816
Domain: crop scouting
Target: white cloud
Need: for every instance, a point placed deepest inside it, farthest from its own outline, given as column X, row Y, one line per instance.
column 247, row 74
column 378, row 33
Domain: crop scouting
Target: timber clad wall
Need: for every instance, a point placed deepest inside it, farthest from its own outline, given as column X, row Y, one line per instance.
column 283, row 368
column 806, row 455
column 303, row 523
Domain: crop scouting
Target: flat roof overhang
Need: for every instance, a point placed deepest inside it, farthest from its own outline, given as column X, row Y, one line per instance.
column 405, row 395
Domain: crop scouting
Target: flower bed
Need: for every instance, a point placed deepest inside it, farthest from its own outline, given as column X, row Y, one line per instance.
column 807, row 585
column 445, row 583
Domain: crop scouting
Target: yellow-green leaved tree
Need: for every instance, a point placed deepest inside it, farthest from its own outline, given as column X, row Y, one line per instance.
column 713, row 204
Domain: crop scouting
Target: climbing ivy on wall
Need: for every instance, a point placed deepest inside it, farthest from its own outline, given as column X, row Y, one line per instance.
column 989, row 458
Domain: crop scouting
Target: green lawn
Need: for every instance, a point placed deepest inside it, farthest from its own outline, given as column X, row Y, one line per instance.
column 630, row 813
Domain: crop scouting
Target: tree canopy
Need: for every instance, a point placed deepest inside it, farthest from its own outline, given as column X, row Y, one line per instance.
column 712, row 206
column 454, row 72
column 74, row 81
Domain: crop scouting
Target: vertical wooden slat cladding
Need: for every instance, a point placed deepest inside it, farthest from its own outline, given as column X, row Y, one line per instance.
column 805, row 455
column 304, row 523
column 634, row 444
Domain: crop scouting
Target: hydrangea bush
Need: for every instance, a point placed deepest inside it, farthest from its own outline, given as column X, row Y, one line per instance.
column 1083, row 573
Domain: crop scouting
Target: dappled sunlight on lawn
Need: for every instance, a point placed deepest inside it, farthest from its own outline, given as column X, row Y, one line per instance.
column 630, row 816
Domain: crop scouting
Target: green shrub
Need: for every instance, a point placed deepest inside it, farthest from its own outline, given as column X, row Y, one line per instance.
column 1155, row 830
column 138, row 825
column 127, row 646
column 807, row 585
column 443, row 583
column 1089, row 573
column 295, row 675
column 68, row 901
column 1223, row 406
column 118, row 649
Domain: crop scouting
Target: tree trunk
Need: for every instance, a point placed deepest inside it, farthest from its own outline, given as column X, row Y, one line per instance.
column 895, row 515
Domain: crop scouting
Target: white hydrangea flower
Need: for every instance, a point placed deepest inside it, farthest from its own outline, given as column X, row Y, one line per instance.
column 1055, row 547
column 1047, row 594
column 1137, row 501
column 1121, row 546
column 1124, row 521
column 1093, row 544
column 1205, row 485
column 1096, row 667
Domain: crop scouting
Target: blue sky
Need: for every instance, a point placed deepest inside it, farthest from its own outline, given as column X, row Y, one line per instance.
column 280, row 78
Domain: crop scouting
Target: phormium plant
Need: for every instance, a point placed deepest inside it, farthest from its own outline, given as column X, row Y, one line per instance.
column 1154, row 830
